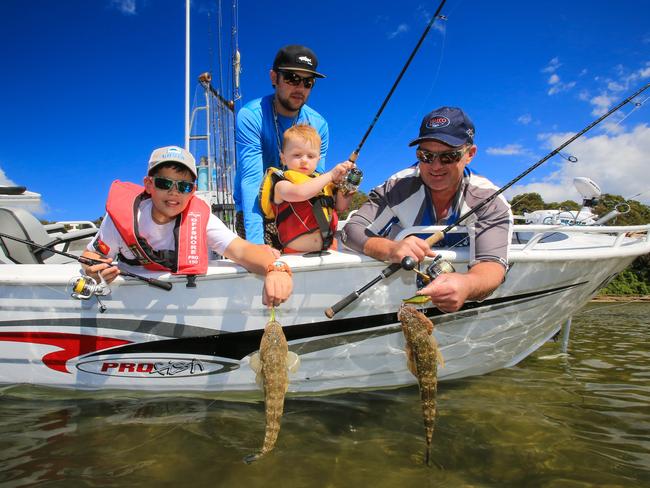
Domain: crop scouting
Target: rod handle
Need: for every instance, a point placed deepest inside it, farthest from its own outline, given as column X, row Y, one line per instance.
column 341, row 304
column 435, row 238
column 165, row 285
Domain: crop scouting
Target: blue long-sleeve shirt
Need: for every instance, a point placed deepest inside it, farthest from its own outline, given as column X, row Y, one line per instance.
column 257, row 150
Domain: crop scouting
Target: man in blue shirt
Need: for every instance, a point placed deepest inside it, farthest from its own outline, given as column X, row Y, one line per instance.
column 260, row 126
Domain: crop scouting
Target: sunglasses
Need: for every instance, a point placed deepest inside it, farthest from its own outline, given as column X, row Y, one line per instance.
column 166, row 184
column 293, row 79
column 445, row 157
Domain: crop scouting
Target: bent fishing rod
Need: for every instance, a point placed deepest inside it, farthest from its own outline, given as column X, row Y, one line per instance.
column 165, row 285
column 355, row 153
column 439, row 235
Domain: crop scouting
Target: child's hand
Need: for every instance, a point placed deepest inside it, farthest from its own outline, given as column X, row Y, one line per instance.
column 277, row 288
column 108, row 272
column 339, row 171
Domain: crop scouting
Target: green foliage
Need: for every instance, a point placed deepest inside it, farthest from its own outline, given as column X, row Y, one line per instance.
column 358, row 199
column 527, row 202
column 639, row 213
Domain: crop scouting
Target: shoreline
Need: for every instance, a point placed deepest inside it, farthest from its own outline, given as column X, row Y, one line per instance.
column 621, row 298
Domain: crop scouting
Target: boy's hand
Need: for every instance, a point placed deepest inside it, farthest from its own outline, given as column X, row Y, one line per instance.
column 277, row 288
column 339, row 171
column 107, row 271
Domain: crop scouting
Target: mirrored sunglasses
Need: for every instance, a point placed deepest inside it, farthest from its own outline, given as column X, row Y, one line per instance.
column 294, row 80
column 167, row 184
column 445, row 157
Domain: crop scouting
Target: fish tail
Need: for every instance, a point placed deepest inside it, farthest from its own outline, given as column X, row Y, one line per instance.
column 251, row 458
column 270, row 437
column 427, row 455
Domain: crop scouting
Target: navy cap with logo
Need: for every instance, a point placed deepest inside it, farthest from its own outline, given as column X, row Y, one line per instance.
column 449, row 125
column 297, row 58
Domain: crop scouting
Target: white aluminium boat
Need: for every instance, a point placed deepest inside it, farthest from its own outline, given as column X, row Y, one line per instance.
column 201, row 339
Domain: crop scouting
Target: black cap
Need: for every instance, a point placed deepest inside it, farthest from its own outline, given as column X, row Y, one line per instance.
column 449, row 125
column 296, row 58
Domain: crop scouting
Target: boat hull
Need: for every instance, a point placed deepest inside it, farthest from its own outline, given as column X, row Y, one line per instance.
column 202, row 338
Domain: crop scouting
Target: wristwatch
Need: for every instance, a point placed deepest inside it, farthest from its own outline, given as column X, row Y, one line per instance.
column 279, row 266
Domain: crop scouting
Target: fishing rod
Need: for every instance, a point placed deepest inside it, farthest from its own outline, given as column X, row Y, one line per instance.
column 355, row 153
column 407, row 262
column 165, row 285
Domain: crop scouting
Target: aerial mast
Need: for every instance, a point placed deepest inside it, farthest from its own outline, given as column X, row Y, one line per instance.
column 187, row 75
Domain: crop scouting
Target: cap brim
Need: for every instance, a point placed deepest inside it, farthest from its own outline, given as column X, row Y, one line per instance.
column 315, row 73
column 445, row 139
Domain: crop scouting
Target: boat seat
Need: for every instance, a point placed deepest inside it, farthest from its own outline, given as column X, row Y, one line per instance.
column 20, row 223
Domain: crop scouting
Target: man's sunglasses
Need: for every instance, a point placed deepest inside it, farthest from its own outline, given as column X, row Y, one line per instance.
column 294, row 80
column 166, row 184
column 445, row 157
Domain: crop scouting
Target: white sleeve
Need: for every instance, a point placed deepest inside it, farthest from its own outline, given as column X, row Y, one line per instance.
column 107, row 237
column 219, row 236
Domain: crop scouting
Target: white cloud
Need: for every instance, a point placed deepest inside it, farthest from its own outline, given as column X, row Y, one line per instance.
column 616, row 162
column 127, row 7
column 4, row 179
column 552, row 66
column 525, row 119
column 507, row 150
column 400, row 29
column 440, row 25
column 558, row 86
column 601, row 103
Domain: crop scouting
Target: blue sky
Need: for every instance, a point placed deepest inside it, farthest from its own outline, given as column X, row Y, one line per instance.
column 89, row 87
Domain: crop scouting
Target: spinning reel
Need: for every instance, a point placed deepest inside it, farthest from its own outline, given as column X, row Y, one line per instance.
column 352, row 181
column 85, row 287
column 437, row 267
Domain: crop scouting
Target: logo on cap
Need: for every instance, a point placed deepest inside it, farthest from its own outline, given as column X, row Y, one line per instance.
column 306, row 60
column 437, row 122
column 173, row 152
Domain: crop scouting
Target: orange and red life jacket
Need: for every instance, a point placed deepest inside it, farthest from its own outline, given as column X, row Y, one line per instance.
column 190, row 256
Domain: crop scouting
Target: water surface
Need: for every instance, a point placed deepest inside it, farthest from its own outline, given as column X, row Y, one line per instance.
column 575, row 420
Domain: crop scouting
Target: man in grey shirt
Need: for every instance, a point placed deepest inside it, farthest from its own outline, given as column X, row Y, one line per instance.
column 437, row 191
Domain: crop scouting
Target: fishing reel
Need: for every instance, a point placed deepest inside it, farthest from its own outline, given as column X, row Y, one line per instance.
column 352, row 181
column 85, row 287
column 437, row 267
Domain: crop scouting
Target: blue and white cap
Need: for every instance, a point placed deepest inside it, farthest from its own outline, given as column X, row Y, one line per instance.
column 172, row 154
column 449, row 125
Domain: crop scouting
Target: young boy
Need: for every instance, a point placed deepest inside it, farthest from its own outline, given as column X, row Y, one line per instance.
column 302, row 202
column 164, row 227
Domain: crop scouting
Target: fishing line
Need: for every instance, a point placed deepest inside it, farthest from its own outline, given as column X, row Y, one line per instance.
column 637, row 105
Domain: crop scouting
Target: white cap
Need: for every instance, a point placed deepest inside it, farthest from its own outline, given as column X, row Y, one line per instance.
column 173, row 154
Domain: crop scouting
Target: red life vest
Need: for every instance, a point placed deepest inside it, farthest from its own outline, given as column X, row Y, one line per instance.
column 295, row 219
column 191, row 254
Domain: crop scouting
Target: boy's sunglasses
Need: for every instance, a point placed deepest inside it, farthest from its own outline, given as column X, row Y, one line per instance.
column 167, row 184
column 445, row 157
column 294, row 80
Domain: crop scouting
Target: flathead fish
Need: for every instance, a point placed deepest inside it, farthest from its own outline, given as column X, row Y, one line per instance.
column 423, row 357
column 272, row 365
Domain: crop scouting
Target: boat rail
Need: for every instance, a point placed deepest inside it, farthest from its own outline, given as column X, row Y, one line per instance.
column 540, row 231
